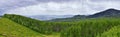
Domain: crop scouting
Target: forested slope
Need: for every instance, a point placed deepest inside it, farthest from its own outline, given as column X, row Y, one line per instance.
column 9, row 28
column 91, row 27
column 43, row 27
column 82, row 28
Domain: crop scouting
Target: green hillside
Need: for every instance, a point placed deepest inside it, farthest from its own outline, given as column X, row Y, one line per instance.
column 113, row 32
column 42, row 27
column 91, row 27
column 81, row 28
column 9, row 28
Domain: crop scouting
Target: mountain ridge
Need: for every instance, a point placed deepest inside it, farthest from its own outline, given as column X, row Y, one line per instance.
column 49, row 17
column 109, row 13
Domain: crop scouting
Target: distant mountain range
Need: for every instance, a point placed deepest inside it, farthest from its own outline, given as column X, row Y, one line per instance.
column 0, row 16
column 49, row 17
column 12, row 25
column 107, row 13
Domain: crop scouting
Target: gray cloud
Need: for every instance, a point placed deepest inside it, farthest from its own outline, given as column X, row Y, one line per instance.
column 13, row 4
column 58, row 7
column 57, row 0
column 9, row 4
column 105, row 0
column 53, row 0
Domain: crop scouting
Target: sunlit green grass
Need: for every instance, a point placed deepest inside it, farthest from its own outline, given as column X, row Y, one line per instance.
column 53, row 35
column 113, row 32
column 12, row 29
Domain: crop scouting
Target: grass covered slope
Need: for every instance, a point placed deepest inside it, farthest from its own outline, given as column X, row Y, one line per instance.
column 113, row 32
column 42, row 27
column 12, row 29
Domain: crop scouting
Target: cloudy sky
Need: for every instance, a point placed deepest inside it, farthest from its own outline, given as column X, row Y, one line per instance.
column 56, row 7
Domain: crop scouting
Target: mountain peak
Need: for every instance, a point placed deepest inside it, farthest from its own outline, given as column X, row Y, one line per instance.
column 111, row 9
column 107, row 13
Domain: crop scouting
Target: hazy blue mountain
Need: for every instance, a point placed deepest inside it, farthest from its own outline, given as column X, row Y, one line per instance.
column 49, row 17
column 107, row 13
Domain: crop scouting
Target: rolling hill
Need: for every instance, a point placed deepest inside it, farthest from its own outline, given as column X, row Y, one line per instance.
column 42, row 27
column 82, row 28
column 9, row 28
